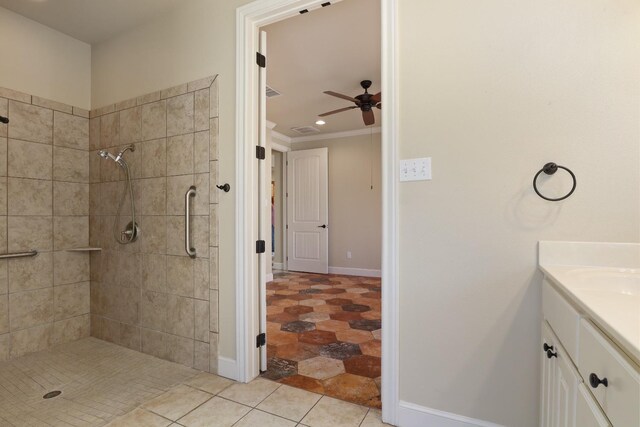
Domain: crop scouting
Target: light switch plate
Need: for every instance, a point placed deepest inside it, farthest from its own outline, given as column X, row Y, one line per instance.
column 415, row 169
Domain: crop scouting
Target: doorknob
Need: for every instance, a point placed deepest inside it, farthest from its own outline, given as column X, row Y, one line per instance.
column 322, row 226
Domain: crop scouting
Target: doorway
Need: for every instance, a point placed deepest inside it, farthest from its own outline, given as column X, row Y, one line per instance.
column 250, row 19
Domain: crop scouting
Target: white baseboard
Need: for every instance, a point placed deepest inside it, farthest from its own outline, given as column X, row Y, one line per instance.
column 278, row 266
column 412, row 415
column 228, row 368
column 355, row 272
column 269, row 277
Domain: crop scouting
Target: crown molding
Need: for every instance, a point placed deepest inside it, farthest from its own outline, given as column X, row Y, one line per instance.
column 324, row 136
column 270, row 125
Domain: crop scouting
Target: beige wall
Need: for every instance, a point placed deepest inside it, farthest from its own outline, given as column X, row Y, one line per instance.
column 44, row 189
column 277, row 169
column 491, row 90
column 355, row 209
column 43, row 62
column 499, row 88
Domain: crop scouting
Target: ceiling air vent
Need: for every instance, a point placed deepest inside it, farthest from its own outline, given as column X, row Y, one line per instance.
column 305, row 130
column 271, row 92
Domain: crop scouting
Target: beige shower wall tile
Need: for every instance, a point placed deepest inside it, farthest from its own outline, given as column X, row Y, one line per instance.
column 70, row 165
column 111, row 330
column 71, row 198
column 81, row 112
column 201, row 320
column 95, row 162
column 154, row 343
column 153, row 310
column 199, row 84
column 149, row 97
column 70, row 232
column 213, row 268
column 128, row 308
column 29, row 160
column 154, row 120
column 180, row 114
column 126, row 104
column 213, row 225
column 180, row 350
column 213, row 353
column 201, row 114
column 71, row 300
column 102, row 111
column 71, row 329
column 70, row 267
column 214, row 191
column 4, row 111
column 213, row 139
column 31, row 340
column 180, row 155
column 4, row 314
column 30, row 308
column 180, row 316
column 70, row 131
column 154, row 272
column 200, row 236
column 4, row 236
column 201, row 356
column 52, row 105
column 30, row 123
column 94, row 133
column 201, row 152
column 155, row 234
column 130, row 336
column 131, row 125
column 174, row 91
column 30, row 273
column 201, row 202
column 180, row 276
column 213, row 311
column 213, row 100
column 4, row 276
column 153, row 196
column 154, row 158
column 110, row 130
column 201, row 279
column 177, row 186
column 4, row 194
column 15, row 95
column 3, row 156
column 29, row 197
column 175, row 236
column 4, row 347
column 30, row 233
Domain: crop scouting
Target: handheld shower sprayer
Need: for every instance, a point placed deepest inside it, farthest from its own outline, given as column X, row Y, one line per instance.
column 131, row 231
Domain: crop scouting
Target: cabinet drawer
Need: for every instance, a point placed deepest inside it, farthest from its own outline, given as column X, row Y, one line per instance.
column 598, row 356
column 588, row 413
column 563, row 318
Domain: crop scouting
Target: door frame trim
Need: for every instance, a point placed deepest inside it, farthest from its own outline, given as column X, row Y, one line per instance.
column 249, row 19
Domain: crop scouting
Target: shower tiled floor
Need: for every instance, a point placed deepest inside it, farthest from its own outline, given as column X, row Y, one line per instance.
column 323, row 335
column 104, row 384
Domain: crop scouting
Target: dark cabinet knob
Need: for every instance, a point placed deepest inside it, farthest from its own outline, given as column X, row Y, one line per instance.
column 551, row 354
column 546, row 347
column 322, row 226
column 595, row 381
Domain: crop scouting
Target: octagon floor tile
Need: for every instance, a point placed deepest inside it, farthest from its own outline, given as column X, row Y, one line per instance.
column 352, row 388
column 339, row 301
column 328, row 309
column 377, row 334
column 285, row 302
column 314, row 317
column 321, row 368
column 332, row 325
column 283, row 317
column 354, row 336
column 282, row 338
column 371, row 348
column 306, row 383
column 274, row 309
column 365, row 366
column 318, row 337
column 297, row 351
column 340, row 350
column 371, row 315
column 365, row 325
column 357, row 308
column 312, row 302
column 298, row 326
column 346, row 316
column 280, row 368
column 334, row 291
column 298, row 309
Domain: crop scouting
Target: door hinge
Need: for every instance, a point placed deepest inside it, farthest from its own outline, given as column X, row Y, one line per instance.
column 261, row 340
column 260, row 246
column 261, row 153
column 261, row 60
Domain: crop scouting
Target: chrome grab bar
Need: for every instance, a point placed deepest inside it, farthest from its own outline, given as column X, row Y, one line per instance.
column 191, row 251
column 31, row 253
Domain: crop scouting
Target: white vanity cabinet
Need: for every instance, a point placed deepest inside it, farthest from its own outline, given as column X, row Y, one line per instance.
column 587, row 380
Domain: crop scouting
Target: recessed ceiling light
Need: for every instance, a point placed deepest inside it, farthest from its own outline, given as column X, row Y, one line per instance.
column 321, row 122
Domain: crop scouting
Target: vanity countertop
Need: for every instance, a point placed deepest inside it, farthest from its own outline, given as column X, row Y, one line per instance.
column 603, row 281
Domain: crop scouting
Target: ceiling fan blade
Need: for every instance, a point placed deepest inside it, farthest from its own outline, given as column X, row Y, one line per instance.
column 377, row 97
column 368, row 117
column 337, row 111
column 339, row 95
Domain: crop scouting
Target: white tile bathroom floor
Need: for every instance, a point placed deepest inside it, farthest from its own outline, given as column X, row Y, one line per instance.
column 105, row 384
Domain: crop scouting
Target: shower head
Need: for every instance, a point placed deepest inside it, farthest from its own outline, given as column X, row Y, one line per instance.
column 4, row 120
column 106, row 155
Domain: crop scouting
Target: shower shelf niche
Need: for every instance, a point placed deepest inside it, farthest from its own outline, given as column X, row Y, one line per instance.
column 88, row 249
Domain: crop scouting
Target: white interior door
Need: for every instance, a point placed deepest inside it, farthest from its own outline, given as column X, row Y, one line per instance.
column 308, row 210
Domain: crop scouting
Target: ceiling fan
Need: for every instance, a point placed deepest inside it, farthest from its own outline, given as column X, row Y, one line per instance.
column 365, row 102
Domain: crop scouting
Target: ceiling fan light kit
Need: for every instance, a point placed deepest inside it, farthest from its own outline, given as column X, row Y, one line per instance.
column 366, row 102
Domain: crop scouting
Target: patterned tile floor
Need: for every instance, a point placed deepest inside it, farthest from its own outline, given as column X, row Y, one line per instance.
column 323, row 335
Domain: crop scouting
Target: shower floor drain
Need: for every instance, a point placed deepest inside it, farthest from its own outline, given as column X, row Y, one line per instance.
column 52, row 394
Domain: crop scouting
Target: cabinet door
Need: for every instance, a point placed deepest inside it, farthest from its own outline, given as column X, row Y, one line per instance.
column 565, row 388
column 548, row 375
column 588, row 413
